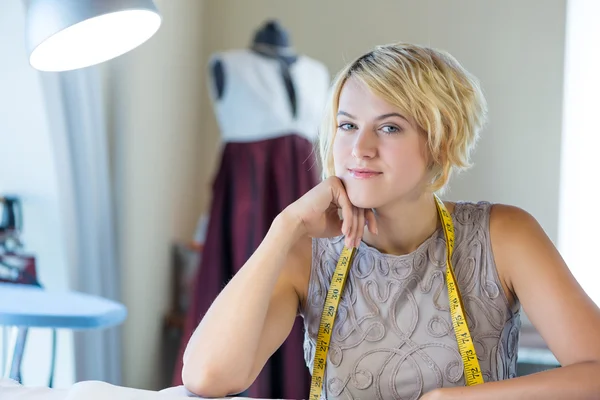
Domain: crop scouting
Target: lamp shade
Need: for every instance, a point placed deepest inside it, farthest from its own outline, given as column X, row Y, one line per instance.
column 63, row 35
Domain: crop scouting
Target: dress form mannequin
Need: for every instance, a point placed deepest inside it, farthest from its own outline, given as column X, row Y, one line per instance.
column 268, row 102
column 272, row 40
column 267, row 90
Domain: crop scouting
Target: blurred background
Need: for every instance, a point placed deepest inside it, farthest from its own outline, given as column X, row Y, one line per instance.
column 133, row 146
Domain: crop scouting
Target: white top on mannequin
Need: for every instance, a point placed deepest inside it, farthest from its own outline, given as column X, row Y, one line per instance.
column 255, row 105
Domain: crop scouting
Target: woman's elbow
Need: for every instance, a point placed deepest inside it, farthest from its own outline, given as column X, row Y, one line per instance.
column 205, row 382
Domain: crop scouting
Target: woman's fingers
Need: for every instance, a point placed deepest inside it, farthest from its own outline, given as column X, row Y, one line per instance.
column 353, row 218
column 371, row 221
column 340, row 199
column 354, row 235
column 360, row 226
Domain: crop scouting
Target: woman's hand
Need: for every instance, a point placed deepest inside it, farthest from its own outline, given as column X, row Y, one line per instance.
column 318, row 209
column 436, row 394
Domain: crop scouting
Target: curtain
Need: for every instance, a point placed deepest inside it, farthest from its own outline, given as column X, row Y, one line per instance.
column 78, row 129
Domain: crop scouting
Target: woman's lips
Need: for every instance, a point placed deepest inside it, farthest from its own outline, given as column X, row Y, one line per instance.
column 363, row 173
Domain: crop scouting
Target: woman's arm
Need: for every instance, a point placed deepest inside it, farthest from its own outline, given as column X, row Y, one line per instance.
column 255, row 312
column 565, row 316
column 251, row 317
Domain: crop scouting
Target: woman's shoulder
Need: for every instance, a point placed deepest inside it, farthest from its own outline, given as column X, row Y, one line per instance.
column 508, row 229
column 462, row 205
column 468, row 215
column 498, row 208
column 502, row 218
column 509, row 222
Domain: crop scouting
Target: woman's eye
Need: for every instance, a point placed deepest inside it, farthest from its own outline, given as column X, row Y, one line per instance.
column 346, row 127
column 390, row 129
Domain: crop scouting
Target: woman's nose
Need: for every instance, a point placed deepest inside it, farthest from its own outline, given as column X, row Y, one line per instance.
column 365, row 145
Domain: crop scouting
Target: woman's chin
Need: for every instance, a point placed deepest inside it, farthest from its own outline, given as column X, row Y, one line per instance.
column 362, row 201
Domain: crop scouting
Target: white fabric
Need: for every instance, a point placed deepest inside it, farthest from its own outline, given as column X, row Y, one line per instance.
column 11, row 390
column 90, row 390
column 76, row 115
column 255, row 104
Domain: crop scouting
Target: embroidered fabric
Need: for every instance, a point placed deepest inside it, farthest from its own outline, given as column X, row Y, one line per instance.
column 393, row 337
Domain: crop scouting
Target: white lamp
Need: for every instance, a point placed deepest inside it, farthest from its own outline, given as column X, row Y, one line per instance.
column 63, row 35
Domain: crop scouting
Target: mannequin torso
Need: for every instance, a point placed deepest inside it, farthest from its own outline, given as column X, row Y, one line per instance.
column 267, row 91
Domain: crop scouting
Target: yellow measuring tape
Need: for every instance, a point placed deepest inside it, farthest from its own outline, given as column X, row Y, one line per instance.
column 473, row 375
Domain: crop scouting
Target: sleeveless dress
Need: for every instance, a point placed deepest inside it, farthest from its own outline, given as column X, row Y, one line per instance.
column 267, row 162
column 393, row 337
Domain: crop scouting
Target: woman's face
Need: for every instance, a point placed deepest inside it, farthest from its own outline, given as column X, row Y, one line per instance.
column 379, row 153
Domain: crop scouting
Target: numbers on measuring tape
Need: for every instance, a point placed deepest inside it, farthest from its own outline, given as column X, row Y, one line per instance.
column 470, row 355
column 323, row 345
column 472, row 370
column 475, row 373
column 331, row 311
column 327, row 318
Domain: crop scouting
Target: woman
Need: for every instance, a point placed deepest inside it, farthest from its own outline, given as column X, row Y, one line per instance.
column 401, row 119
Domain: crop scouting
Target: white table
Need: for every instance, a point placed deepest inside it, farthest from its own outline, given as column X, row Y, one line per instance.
column 27, row 306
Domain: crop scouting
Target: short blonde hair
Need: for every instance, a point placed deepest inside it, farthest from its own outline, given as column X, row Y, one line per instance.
column 431, row 87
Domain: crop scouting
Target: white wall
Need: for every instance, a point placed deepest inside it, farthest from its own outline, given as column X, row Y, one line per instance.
column 581, row 140
column 166, row 140
column 514, row 47
column 155, row 104
column 165, row 137
column 28, row 169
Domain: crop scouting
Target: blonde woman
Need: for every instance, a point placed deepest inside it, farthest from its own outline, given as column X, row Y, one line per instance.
column 400, row 120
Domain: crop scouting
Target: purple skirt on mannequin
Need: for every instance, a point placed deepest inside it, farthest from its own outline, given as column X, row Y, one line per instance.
column 255, row 182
